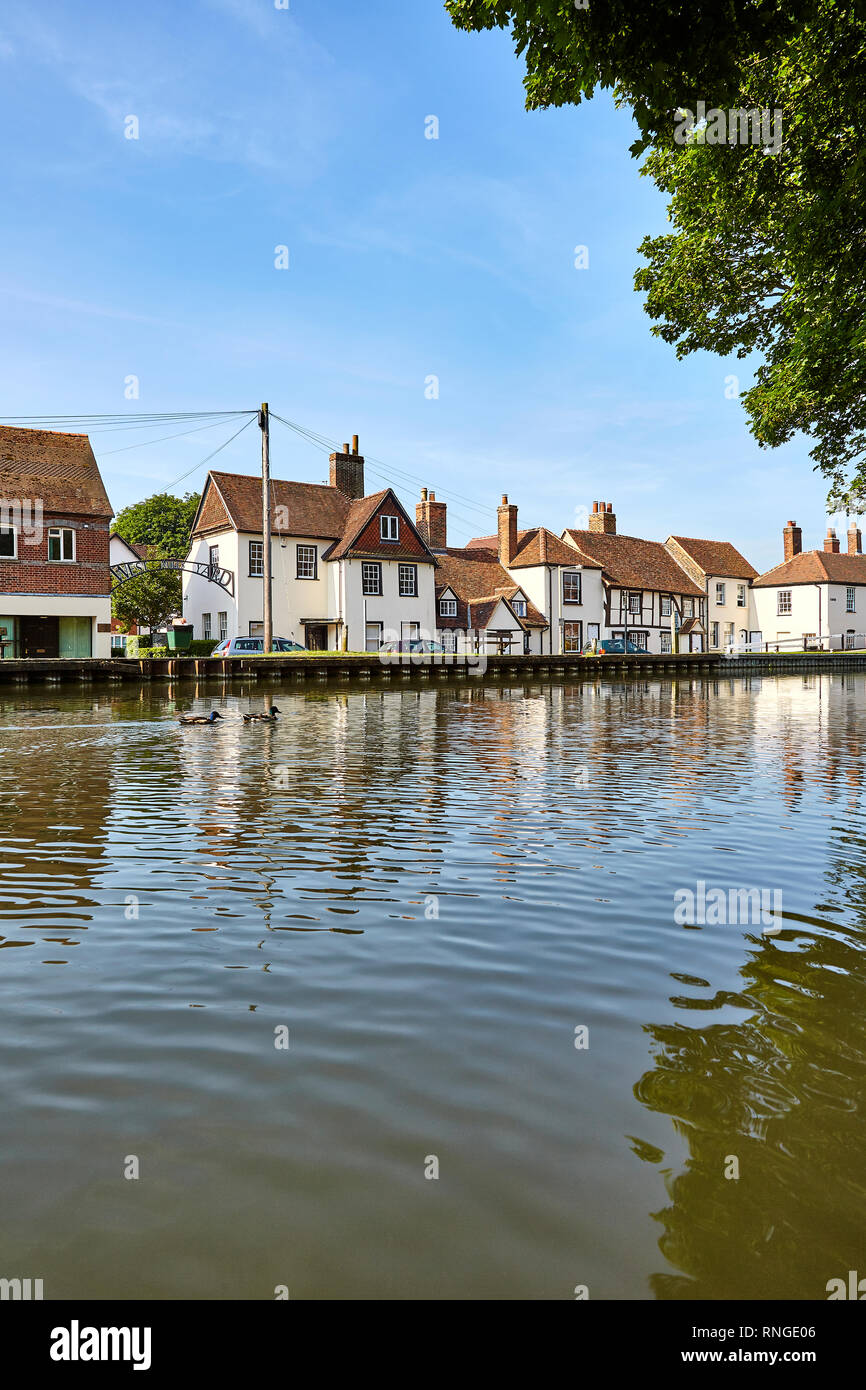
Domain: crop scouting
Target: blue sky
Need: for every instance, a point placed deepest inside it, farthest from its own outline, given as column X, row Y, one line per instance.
column 409, row 258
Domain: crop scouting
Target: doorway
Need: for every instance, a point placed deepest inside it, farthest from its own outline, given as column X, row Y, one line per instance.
column 39, row 636
column 317, row 637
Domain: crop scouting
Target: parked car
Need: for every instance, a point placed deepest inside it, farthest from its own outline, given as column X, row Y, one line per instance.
column 414, row 644
column 613, row 647
column 249, row 646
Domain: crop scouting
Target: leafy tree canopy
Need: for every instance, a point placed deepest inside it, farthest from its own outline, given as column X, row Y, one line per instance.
column 161, row 520
column 768, row 249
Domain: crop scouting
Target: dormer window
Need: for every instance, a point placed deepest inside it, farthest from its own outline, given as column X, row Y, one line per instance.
column 519, row 606
column 389, row 528
column 448, row 608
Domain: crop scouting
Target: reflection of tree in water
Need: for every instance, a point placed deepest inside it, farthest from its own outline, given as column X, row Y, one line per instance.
column 783, row 1089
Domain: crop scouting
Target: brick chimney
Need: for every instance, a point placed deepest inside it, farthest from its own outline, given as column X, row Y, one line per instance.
column 347, row 471
column 793, row 535
column 507, row 515
column 855, row 540
column 602, row 518
column 831, row 542
column 431, row 520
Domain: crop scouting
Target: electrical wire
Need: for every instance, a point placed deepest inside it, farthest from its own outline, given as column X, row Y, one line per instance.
column 224, row 445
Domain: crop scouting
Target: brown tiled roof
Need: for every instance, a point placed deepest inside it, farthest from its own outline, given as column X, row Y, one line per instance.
column 816, row 567
column 476, row 576
column 313, row 509
column 635, row 563
column 134, row 546
column 717, row 557
column 537, row 546
column 58, row 468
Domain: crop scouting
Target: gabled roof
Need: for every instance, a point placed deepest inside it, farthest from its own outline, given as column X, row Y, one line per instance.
column 132, row 546
column 476, row 576
column 311, row 509
column 537, row 546
column 816, row 567
column 634, row 563
column 717, row 558
column 361, row 540
column 58, row 468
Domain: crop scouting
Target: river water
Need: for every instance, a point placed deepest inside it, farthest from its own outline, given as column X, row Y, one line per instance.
column 393, row 1000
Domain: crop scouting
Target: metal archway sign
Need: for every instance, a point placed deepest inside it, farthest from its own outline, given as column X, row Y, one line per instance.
column 214, row 574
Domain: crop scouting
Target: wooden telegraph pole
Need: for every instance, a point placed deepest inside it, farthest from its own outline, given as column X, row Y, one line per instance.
column 264, row 425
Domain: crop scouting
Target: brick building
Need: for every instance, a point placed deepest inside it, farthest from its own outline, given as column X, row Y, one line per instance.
column 55, row 581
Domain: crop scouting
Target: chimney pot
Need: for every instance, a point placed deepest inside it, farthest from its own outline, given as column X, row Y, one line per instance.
column 354, row 444
column 595, row 506
column 855, row 540
column 423, row 494
column 831, row 543
column 793, row 538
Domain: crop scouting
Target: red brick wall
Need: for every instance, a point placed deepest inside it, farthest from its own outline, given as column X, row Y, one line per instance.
column 34, row 573
column 370, row 541
column 213, row 513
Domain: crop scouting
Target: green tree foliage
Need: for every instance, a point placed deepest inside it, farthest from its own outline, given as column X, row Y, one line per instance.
column 767, row 252
column 161, row 520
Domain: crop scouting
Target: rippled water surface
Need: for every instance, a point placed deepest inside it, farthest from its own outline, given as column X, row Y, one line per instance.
column 432, row 889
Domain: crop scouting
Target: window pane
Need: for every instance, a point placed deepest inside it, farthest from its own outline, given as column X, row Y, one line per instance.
column 7, row 541
column 54, row 545
column 68, row 545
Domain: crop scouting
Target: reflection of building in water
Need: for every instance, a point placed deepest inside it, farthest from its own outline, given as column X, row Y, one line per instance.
column 58, row 779
column 780, row 1091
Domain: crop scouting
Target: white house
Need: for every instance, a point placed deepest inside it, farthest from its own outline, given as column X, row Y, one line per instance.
column 349, row 571
column 814, row 597
column 645, row 589
column 517, row 591
column 726, row 579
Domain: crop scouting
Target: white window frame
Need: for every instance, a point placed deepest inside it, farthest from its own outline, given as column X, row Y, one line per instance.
column 213, row 556
column 714, row 634
column 665, row 604
column 310, row 561
column 635, row 602
column 666, row 642
column 371, row 570
column 568, row 577
column 257, row 573
column 376, row 640
column 784, row 602
column 519, row 606
column 13, row 532
column 389, row 527
column 688, row 608
column 447, row 608
column 410, row 571
column 741, row 596
column 720, row 593
column 223, row 625
column 58, row 533
column 449, row 640
column 851, row 599
column 206, row 631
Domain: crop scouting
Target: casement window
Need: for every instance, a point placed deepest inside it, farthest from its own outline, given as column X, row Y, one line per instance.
column 688, row 608
column 665, row 605
column 640, row 639
column 714, row 634
column 447, row 608
column 205, row 627
column 257, row 629
column 410, row 632
column 8, row 543
column 389, row 528
column 307, row 562
column 408, row 581
column 257, row 559
column 214, row 557
column 371, row 577
column 634, row 603
column 373, row 638
column 572, row 634
column 61, row 543
column 223, row 623
column 741, row 595
column 850, row 599
column 720, row 595
column 118, row 642
column 729, row 634
column 449, row 640
column 783, row 601
column 666, row 643
column 519, row 606
column 571, row 588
